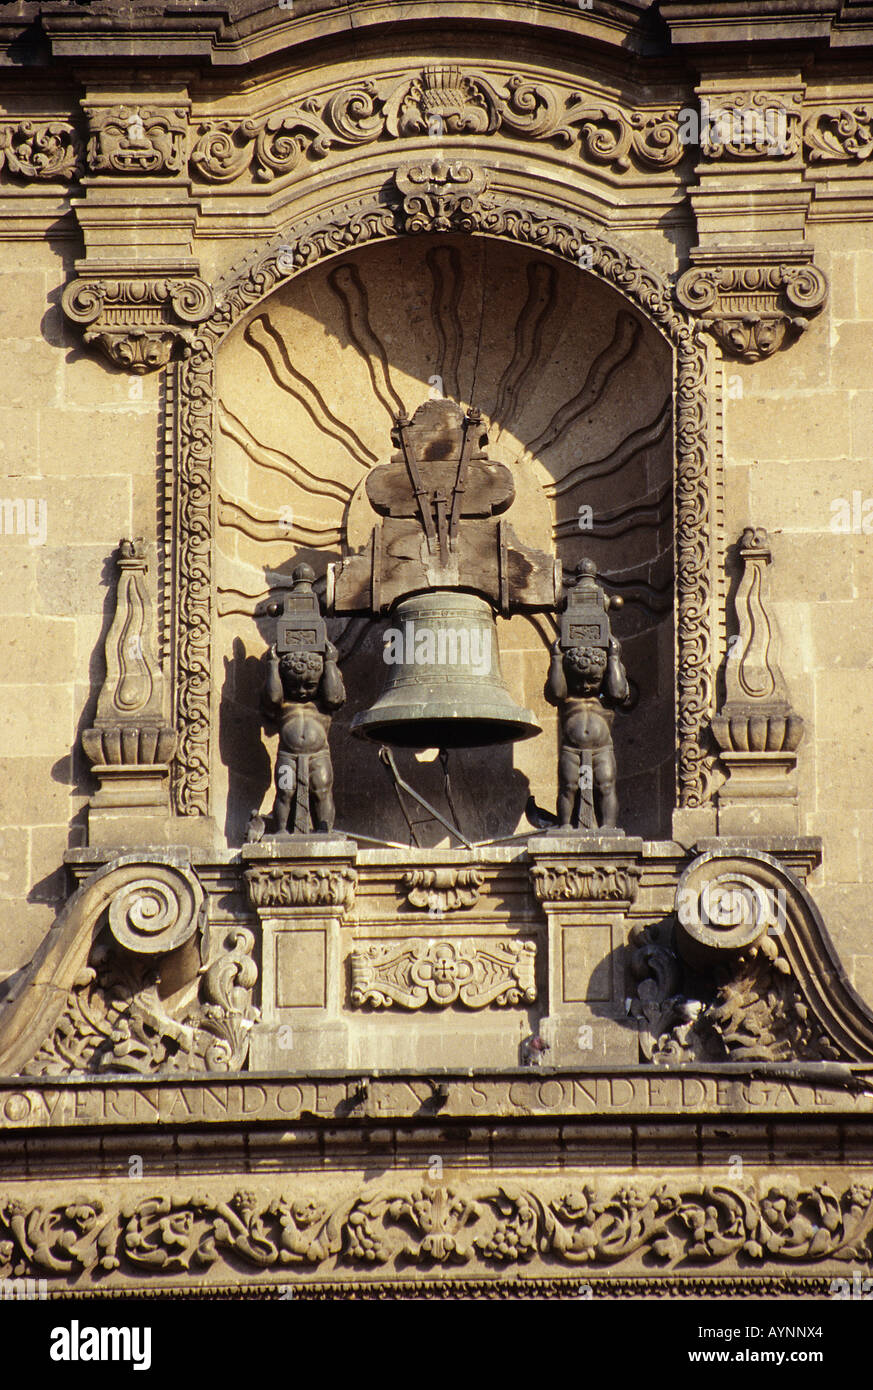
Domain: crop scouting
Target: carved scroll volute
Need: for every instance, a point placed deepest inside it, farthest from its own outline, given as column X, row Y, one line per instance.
column 130, row 727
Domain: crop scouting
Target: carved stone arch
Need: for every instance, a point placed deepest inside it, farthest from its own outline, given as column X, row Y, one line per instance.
column 189, row 491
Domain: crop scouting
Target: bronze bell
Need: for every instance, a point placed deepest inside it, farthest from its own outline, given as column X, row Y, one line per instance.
column 444, row 688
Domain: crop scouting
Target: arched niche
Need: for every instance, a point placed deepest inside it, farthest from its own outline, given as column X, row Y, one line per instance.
column 313, row 343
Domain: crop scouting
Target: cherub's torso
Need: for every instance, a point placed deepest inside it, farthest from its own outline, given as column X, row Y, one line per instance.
column 585, row 723
column 302, row 727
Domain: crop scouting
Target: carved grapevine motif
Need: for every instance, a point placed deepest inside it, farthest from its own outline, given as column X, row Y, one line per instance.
column 357, row 225
column 684, row 1223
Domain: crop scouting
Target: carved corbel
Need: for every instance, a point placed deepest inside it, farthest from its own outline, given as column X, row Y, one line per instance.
column 755, row 300
column 131, row 743
column 138, row 322
column 757, row 729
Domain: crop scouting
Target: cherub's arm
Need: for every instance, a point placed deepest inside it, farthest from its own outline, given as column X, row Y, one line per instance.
column 273, row 693
column 616, row 677
column 556, row 685
column 333, row 691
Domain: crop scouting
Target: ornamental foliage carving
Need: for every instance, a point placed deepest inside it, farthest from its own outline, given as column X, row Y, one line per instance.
column 595, row 883
column 41, row 150
column 474, row 973
column 441, row 100
column 445, row 889
column 114, row 1019
column 757, row 1011
column 282, row 885
column 682, row 1224
column 838, row 134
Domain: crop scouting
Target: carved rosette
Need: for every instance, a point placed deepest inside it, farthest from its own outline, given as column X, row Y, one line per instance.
column 139, row 323
column 42, row 150
column 474, row 973
column 445, row 889
column 283, row 885
column 136, row 139
column 585, row 883
column 753, row 304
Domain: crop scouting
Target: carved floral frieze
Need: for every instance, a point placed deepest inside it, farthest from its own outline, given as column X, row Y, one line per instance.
column 682, row 1223
column 282, row 885
column 594, row 883
column 474, row 973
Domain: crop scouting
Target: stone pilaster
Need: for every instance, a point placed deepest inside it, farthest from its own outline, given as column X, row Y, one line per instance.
column 586, row 884
column 301, row 889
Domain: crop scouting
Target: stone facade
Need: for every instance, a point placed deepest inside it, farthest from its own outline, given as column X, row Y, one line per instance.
column 237, row 241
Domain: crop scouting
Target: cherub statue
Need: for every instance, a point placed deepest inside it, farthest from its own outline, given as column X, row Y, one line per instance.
column 586, row 671
column 303, row 688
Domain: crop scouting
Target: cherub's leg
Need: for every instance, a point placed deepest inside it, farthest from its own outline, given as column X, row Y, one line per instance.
column 605, row 772
column 321, row 791
column 568, row 785
column 286, row 781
